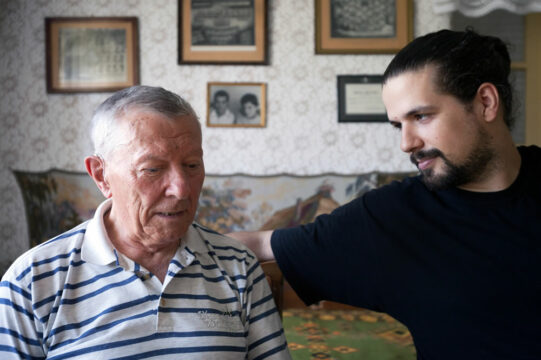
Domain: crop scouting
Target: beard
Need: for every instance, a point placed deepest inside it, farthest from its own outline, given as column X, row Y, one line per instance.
column 456, row 174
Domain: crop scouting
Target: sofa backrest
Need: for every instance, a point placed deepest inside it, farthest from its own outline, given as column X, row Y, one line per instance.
column 57, row 200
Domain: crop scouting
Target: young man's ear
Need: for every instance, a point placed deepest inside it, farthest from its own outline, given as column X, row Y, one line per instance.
column 95, row 167
column 489, row 99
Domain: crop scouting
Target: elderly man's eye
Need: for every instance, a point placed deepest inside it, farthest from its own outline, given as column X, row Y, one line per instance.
column 193, row 166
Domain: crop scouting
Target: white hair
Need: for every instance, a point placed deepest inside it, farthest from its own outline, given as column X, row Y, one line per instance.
column 105, row 119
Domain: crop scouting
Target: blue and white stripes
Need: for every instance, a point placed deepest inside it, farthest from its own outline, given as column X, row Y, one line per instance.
column 58, row 301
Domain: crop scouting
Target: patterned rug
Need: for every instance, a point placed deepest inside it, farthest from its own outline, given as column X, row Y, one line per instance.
column 346, row 334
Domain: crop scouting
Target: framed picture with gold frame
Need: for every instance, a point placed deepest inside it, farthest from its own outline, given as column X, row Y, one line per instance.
column 96, row 54
column 230, row 32
column 357, row 27
column 236, row 104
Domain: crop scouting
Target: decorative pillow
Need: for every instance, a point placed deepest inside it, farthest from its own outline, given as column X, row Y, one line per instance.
column 56, row 200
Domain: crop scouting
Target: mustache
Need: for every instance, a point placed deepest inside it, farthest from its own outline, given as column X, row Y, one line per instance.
column 418, row 156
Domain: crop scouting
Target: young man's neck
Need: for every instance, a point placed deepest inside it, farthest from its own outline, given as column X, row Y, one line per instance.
column 499, row 175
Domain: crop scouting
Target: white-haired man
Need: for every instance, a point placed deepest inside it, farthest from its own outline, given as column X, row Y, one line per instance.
column 141, row 279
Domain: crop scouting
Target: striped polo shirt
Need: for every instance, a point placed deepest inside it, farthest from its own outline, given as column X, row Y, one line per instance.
column 75, row 296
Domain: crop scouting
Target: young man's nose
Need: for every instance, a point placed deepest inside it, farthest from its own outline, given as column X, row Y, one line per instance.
column 409, row 141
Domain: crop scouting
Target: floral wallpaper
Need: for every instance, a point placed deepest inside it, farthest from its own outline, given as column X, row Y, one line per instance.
column 39, row 131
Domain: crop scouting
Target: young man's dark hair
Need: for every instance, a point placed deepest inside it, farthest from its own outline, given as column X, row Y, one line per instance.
column 464, row 60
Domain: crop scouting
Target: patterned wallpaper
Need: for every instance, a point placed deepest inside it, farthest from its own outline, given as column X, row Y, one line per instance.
column 39, row 131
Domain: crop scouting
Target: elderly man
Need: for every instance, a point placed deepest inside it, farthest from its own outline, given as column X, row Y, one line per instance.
column 140, row 279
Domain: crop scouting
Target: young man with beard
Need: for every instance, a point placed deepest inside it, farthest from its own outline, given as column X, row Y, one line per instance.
column 455, row 252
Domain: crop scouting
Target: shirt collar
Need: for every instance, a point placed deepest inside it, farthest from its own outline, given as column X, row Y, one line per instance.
column 194, row 242
column 97, row 248
column 193, row 245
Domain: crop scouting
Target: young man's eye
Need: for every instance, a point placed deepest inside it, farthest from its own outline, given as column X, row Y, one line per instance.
column 396, row 125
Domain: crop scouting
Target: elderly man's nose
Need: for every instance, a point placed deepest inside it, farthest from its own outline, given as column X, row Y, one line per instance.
column 178, row 184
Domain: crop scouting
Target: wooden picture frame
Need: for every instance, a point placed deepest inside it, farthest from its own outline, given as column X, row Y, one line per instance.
column 236, row 104
column 91, row 54
column 359, row 99
column 376, row 26
column 233, row 34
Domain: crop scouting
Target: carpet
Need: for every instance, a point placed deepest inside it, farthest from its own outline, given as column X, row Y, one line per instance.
column 346, row 334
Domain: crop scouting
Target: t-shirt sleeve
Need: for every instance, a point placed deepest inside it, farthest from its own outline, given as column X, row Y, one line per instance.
column 331, row 258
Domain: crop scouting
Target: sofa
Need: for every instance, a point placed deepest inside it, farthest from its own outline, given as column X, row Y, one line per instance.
column 57, row 200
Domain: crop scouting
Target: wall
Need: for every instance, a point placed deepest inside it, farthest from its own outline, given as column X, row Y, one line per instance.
column 39, row 131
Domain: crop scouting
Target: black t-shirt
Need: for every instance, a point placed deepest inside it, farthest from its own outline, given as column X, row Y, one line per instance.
column 462, row 270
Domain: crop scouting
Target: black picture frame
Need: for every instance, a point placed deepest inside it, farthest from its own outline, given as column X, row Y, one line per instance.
column 359, row 99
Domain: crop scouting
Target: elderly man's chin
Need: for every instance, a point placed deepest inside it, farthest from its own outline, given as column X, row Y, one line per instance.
column 167, row 233
column 168, row 237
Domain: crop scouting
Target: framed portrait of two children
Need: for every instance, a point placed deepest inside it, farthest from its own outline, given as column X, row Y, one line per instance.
column 240, row 104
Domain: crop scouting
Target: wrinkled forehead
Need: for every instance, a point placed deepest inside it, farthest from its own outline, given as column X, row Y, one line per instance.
column 143, row 125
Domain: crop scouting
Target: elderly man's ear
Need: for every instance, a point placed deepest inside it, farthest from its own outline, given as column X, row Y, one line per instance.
column 95, row 167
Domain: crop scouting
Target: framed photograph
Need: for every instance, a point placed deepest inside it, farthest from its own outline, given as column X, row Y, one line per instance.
column 223, row 32
column 91, row 54
column 236, row 104
column 359, row 99
column 368, row 26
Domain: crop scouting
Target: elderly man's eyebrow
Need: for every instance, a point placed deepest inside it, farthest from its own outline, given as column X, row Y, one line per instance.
column 147, row 157
column 154, row 157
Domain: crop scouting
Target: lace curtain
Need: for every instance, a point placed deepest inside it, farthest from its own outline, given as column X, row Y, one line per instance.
column 476, row 8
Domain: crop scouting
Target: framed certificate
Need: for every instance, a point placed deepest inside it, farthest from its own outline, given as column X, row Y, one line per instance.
column 359, row 99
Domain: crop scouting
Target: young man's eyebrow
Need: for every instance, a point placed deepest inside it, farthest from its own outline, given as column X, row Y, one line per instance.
column 419, row 109
column 394, row 123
